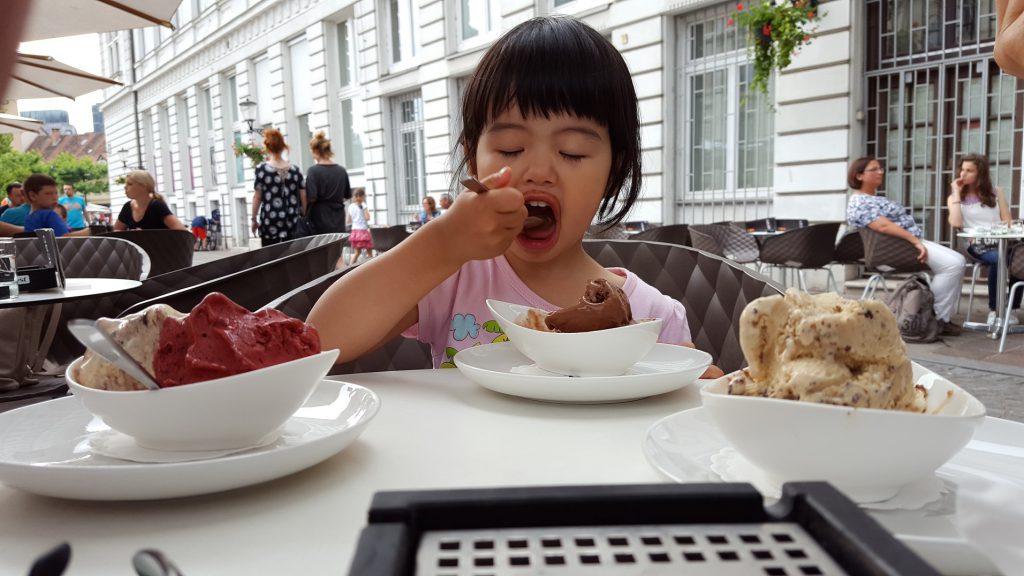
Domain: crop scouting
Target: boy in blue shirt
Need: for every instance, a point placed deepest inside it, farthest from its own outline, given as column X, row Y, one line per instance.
column 41, row 193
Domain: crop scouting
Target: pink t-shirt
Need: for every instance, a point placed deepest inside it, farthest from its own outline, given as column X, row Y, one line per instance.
column 454, row 315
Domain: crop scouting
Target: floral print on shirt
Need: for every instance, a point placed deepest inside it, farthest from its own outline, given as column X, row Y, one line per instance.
column 863, row 209
column 465, row 327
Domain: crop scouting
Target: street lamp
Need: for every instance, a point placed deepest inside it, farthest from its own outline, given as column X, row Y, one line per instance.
column 123, row 153
column 248, row 109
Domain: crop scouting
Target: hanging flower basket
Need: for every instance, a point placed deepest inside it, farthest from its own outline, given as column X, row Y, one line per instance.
column 774, row 32
column 120, row 179
column 253, row 152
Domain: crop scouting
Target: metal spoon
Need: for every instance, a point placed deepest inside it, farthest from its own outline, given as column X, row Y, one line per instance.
column 89, row 334
column 476, row 186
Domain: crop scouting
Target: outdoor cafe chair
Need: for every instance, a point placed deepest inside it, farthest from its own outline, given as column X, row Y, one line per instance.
column 786, row 224
column 678, row 234
column 803, row 249
column 253, row 287
column 1015, row 270
column 886, row 254
column 168, row 249
column 726, row 240
column 385, row 239
column 713, row 290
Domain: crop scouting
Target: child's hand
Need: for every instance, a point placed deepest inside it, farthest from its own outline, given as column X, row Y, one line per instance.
column 484, row 225
column 712, row 370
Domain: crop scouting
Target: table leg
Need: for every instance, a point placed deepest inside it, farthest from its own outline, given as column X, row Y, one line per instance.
column 1001, row 285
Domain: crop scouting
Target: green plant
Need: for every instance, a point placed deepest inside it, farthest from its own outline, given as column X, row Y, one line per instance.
column 253, row 152
column 774, row 32
column 121, row 179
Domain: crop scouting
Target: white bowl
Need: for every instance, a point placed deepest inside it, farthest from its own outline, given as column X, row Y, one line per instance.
column 867, row 453
column 222, row 414
column 608, row 352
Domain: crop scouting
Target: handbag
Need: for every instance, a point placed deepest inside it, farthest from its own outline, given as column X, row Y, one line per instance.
column 303, row 227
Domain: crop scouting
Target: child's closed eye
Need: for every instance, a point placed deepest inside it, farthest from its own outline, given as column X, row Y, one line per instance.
column 573, row 157
column 510, row 153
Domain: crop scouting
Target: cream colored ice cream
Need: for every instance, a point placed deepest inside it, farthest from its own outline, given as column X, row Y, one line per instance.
column 139, row 334
column 828, row 349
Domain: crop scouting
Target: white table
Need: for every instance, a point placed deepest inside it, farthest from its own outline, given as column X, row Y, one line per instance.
column 1002, row 278
column 75, row 289
column 435, row 430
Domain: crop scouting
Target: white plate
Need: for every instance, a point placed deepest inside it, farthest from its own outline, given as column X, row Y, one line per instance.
column 44, row 450
column 680, row 447
column 502, row 368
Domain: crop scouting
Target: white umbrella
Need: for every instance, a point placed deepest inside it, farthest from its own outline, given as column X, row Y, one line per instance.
column 53, row 18
column 97, row 208
column 36, row 76
column 11, row 124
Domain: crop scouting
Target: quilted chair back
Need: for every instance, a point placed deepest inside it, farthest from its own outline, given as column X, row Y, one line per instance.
column 704, row 242
column 713, row 290
column 399, row 353
column 850, row 249
column 385, row 239
column 733, row 242
column 678, row 234
column 256, row 285
column 887, row 253
column 168, row 249
column 85, row 257
column 89, row 257
column 810, row 247
column 1016, row 269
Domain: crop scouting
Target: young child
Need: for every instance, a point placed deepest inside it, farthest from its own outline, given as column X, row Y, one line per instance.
column 550, row 126
column 62, row 212
column 41, row 194
column 358, row 216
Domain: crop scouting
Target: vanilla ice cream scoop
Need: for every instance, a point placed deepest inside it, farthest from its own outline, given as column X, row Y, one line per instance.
column 139, row 335
column 828, row 349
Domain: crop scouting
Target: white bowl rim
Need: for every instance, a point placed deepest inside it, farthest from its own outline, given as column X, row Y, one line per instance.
column 72, row 383
column 707, row 389
column 636, row 321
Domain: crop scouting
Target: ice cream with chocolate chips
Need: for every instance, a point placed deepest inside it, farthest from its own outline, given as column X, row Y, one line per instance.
column 828, row 349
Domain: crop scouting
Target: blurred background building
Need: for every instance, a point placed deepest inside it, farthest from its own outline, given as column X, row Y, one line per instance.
column 910, row 81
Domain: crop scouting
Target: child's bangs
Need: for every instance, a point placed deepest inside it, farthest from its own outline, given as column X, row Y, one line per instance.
column 573, row 83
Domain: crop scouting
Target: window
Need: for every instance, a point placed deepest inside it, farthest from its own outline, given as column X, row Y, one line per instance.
column 207, row 134
column 305, row 135
column 353, row 139
column 346, row 53
column 727, row 159
column 402, row 25
column 263, row 95
column 407, row 118
column 477, row 19
column 231, row 117
column 302, row 101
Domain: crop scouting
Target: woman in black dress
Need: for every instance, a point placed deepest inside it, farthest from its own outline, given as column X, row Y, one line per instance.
column 145, row 209
column 280, row 194
column 327, row 188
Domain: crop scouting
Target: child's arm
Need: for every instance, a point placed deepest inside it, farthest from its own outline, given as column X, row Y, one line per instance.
column 379, row 298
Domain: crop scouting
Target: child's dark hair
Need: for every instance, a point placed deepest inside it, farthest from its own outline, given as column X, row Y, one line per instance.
column 358, row 191
column 558, row 65
column 37, row 182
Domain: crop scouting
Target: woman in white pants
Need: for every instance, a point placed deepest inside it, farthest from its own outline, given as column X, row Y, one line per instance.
column 866, row 210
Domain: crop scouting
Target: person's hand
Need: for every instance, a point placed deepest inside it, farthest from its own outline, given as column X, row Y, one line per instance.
column 483, row 225
column 957, row 185
column 922, row 252
column 712, row 370
column 255, row 227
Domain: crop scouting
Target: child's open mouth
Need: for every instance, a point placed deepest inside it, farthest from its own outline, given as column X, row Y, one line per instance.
column 540, row 227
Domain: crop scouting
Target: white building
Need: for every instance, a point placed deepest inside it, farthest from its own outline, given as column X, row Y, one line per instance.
column 911, row 82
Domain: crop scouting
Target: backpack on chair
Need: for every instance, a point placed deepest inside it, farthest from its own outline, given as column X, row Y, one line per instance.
column 913, row 303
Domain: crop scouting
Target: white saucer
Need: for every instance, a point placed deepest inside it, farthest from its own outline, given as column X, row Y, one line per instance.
column 502, row 368
column 44, row 449
column 681, row 446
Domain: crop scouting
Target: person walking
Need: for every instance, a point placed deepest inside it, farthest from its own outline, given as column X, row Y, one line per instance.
column 327, row 188
column 279, row 198
column 358, row 216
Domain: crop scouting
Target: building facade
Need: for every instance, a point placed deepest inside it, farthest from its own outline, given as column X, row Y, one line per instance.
column 383, row 79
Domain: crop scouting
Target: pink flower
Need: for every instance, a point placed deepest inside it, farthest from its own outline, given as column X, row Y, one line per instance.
column 766, row 30
column 739, row 7
column 729, row 22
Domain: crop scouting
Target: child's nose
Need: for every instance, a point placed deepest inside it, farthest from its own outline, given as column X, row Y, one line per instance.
column 540, row 171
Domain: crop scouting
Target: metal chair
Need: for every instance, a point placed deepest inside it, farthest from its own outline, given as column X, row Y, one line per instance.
column 803, row 249
column 1016, row 270
column 885, row 254
column 678, row 234
column 168, row 250
column 713, row 290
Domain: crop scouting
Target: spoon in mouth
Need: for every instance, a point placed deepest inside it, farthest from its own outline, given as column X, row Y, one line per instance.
column 475, row 185
column 95, row 339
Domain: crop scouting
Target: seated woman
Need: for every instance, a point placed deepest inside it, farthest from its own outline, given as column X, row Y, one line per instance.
column 866, row 210
column 146, row 210
column 975, row 203
column 429, row 211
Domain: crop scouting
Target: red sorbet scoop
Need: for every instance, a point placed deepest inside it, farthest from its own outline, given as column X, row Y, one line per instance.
column 220, row 338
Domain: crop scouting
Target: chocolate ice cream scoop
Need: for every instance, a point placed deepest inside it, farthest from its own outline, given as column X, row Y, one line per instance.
column 603, row 306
